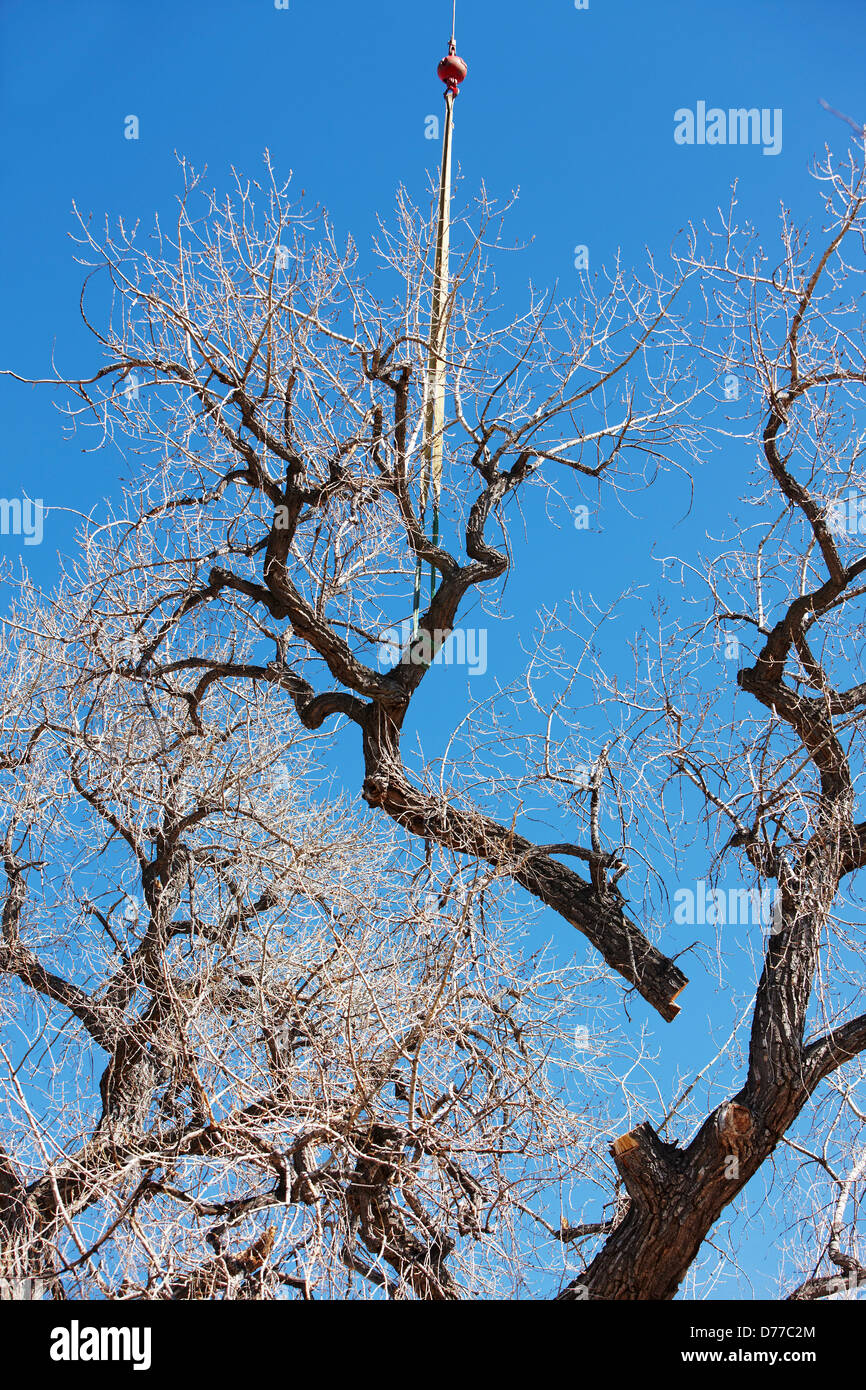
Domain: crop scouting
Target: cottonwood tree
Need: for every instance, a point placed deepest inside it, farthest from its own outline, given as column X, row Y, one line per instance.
column 250, row 1046
column 271, row 400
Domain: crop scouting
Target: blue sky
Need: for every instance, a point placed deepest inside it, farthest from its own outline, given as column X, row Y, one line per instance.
column 573, row 107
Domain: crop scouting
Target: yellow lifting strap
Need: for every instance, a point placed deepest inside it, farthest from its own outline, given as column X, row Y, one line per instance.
column 434, row 418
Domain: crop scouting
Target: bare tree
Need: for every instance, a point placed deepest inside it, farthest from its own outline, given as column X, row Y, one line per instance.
column 251, row 1045
column 245, row 597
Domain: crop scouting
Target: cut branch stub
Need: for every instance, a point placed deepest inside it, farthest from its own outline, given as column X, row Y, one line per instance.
column 648, row 1166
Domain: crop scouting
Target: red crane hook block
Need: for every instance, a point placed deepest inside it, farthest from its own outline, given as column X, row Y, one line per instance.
column 452, row 71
